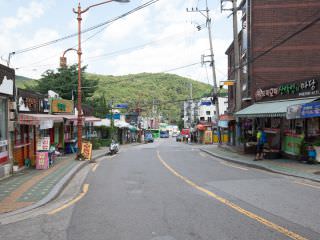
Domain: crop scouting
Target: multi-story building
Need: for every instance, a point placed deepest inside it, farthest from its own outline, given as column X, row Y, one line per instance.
column 7, row 85
column 202, row 111
column 279, row 65
column 278, row 43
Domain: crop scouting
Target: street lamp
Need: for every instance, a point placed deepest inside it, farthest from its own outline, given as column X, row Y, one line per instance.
column 79, row 12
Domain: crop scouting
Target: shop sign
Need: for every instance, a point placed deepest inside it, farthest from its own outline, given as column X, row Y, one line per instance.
column 46, row 124
column 86, row 150
column 3, row 143
column 61, row 106
column 42, row 160
column 223, row 124
column 305, row 88
column 310, row 110
column 294, row 111
column 43, row 144
column 291, row 145
column 7, row 80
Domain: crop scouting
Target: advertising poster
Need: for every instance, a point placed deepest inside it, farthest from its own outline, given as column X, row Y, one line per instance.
column 86, row 150
column 291, row 145
column 208, row 137
column 42, row 160
column 43, row 144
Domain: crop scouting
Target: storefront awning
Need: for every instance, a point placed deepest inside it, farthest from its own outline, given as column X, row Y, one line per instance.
column 271, row 109
column 37, row 119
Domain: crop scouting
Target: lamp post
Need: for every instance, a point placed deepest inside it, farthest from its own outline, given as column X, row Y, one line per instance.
column 79, row 12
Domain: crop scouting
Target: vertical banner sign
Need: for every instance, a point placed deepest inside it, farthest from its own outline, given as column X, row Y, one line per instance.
column 43, row 144
column 42, row 160
column 208, row 137
column 86, row 150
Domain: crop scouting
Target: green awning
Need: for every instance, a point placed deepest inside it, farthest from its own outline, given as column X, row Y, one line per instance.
column 271, row 109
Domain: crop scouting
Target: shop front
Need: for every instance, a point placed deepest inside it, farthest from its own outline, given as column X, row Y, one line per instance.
column 279, row 111
column 32, row 139
column 7, row 85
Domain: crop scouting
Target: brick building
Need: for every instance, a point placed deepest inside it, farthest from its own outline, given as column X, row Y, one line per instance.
column 264, row 25
column 280, row 73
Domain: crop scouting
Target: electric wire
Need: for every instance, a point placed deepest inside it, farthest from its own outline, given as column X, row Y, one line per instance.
column 28, row 49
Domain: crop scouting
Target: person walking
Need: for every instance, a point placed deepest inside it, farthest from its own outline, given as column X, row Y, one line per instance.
column 261, row 140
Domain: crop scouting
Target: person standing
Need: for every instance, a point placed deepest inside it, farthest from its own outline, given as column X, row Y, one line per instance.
column 261, row 140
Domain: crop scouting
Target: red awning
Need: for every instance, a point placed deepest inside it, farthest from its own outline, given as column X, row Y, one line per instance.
column 35, row 119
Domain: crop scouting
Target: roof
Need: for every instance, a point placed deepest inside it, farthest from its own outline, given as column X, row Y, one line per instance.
column 35, row 119
column 271, row 109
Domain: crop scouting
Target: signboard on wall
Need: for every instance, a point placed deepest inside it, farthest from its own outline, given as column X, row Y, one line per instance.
column 303, row 88
column 86, row 150
column 61, row 106
column 43, row 144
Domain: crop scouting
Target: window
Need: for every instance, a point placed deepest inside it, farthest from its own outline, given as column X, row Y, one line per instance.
column 208, row 113
column 3, row 119
column 209, row 119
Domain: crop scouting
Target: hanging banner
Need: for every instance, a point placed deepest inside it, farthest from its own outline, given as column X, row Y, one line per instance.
column 294, row 111
column 43, row 144
column 42, row 160
column 86, row 150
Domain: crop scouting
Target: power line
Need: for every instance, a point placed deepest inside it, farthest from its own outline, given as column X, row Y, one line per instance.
column 86, row 30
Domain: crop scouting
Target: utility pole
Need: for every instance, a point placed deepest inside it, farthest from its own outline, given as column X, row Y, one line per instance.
column 237, row 70
column 190, row 102
column 206, row 14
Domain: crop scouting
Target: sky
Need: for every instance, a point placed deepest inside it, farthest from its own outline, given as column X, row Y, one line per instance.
column 159, row 38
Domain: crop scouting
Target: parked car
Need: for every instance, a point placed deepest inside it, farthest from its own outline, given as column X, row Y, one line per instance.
column 179, row 138
column 148, row 138
column 164, row 134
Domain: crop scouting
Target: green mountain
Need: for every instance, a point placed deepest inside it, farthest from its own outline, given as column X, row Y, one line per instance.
column 25, row 82
column 160, row 92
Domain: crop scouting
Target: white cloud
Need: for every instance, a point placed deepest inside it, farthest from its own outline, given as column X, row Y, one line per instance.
column 24, row 15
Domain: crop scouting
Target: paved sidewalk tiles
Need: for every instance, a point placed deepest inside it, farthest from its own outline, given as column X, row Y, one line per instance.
column 285, row 166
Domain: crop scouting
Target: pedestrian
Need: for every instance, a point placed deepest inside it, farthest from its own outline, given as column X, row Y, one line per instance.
column 261, row 140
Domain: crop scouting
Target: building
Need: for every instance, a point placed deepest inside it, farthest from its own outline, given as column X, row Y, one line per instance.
column 189, row 113
column 266, row 59
column 280, row 77
column 7, row 86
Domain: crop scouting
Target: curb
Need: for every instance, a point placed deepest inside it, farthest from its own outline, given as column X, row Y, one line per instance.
column 56, row 190
column 258, row 166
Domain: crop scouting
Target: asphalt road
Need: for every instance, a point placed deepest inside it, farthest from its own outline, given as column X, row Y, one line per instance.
column 172, row 191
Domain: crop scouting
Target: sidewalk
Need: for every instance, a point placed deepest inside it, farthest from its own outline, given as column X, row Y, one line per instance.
column 282, row 166
column 32, row 187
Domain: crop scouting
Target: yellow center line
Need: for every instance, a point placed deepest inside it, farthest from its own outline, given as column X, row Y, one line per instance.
column 234, row 166
column 73, row 201
column 307, row 184
column 95, row 167
column 226, row 202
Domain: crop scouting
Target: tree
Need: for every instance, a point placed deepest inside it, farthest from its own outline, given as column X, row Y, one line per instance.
column 65, row 82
